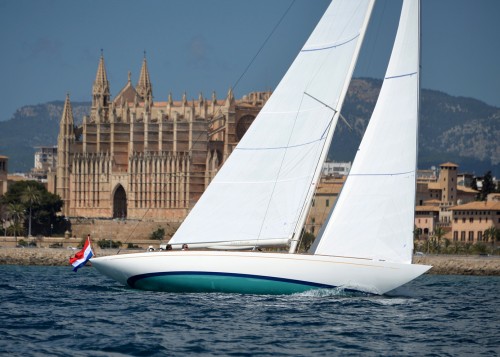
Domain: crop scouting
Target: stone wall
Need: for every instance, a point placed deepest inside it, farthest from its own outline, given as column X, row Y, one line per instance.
column 126, row 231
column 443, row 264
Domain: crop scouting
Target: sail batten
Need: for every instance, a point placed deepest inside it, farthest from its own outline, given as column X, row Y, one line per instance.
column 261, row 190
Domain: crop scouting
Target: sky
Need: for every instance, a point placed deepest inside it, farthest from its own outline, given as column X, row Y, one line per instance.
column 52, row 47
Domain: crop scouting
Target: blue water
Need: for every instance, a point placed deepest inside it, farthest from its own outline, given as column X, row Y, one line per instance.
column 53, row 311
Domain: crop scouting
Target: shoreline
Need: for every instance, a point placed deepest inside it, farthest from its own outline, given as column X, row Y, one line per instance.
column 441, row 264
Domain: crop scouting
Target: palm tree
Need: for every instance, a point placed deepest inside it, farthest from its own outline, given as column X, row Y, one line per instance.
column 30, row 196
column 438, row 234
column 16, row 213
column 4, row 217
column 492, row 234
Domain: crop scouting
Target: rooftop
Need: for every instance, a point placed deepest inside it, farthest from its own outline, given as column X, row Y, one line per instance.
column 478, row 206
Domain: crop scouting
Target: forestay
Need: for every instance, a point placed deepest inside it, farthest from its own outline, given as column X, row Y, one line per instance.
column 374, row 214
column 260, row 192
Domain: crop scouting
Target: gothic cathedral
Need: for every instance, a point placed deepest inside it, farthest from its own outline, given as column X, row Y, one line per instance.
column 140, row 159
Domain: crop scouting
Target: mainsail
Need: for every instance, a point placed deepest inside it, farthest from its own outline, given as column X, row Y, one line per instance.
column 374, row 215
column 261, row 193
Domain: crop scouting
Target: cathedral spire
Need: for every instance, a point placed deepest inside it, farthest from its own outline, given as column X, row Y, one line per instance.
column 67, row 122
column 144, row 87
column 65, row 140
column 230, row 97
column 100, row 90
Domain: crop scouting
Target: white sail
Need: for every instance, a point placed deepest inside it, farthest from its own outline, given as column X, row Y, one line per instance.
column 234, row 214
column 260, row 192
column 374, row 214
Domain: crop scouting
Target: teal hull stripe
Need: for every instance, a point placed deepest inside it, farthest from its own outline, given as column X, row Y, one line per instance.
column 214, row 281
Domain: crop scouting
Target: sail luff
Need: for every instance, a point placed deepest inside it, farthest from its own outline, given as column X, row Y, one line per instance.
column 417, row 122
column 331, row 129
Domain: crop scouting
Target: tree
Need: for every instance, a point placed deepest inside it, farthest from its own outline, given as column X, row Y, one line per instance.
column 487, row 187
column 473, row 184
column 159, row 234
column 4, row 216
column 30, row 196
column 44, row 213
column 306, row 242
column 439, row 232
column 16, row 214
column 492, row 235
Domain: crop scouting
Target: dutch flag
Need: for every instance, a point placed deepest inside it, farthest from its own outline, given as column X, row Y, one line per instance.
column 82, row 256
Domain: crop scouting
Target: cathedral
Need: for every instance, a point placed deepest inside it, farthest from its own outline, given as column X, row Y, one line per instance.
column 135, row 158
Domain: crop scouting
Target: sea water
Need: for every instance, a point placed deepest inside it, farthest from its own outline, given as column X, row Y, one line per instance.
column 55, row 312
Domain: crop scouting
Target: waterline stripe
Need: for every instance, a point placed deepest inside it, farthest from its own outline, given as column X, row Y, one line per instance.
column 132, row 280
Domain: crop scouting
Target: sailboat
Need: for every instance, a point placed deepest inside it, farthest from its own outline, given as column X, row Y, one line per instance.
column 261, row 195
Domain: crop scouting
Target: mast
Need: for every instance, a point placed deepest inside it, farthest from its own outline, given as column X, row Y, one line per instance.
column 418, row 99
column 329, row 135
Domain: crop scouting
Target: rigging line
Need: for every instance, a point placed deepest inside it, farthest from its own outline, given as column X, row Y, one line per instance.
column 264, row 43
column 219, row 109
column 334, row 110
column 319, row 101
column 307, row 205
column 279, row 172
column 176, row 175
column 329, row 107
column 346, row 122
column 251, row 62
column 323, row 218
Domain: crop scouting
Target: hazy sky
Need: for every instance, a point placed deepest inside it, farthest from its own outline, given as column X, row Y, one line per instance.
column 51, row 47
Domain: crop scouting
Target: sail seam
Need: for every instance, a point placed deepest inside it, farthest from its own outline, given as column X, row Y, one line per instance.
column 293, row 111
column 385, row 174
column 282, row 147
column 312, row 49
column 402, row 75
column 296, row 178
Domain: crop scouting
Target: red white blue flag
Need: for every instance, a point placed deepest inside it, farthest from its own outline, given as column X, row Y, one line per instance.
column 82, row 257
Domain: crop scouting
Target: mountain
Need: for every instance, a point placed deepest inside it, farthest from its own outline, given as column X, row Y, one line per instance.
column 462, row 130
column 457, row 129
column 31, row 126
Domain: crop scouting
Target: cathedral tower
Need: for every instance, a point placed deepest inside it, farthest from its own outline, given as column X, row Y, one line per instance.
column 100, row 92
column 65, row 141
column 144, row 88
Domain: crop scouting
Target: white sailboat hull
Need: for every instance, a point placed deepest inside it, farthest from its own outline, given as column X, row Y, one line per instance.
column 253, row 272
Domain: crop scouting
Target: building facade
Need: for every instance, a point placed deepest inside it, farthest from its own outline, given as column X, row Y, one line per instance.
column 473, row 219
column 140, row 159
column 45, row 162
column 336, row 169
column 324, row 199
column 435, row 197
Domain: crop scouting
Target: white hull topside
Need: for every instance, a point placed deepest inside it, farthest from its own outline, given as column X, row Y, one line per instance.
column 377, row 277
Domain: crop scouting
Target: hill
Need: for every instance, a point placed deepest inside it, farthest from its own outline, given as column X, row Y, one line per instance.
column 31, row 126
column 457, row 129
